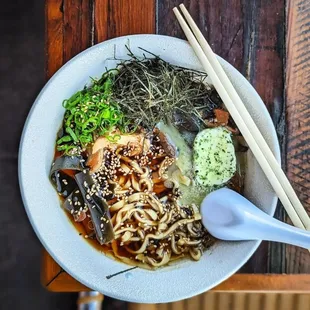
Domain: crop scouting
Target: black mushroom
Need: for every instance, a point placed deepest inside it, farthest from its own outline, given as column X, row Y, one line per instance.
column 81, row 195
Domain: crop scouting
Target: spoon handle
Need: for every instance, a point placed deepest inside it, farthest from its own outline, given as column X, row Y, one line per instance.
column 229, row 216
column 285, row 233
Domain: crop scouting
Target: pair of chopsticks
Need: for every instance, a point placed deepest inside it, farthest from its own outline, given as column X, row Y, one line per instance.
column 244, row 121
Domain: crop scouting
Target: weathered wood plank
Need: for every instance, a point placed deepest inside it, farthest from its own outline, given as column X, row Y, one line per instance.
column 298, row 117
column 101, row 20
column 236, row 301
column 68, row 31
column 50, row 269
column 266, row 283
column 77, row 27
column 122, row 17
column 264, row 28
column 53, row 36
column 221, row 22
column 250, row 35
column 65, row 283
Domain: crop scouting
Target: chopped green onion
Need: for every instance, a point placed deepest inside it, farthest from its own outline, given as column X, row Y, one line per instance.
column 90, row 113
column 64, row 139
column 65, row 148
column 84, row 139
column 72, row 134
column 106, row 114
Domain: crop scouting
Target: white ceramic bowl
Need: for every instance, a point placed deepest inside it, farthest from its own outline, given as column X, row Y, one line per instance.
column 178, row 281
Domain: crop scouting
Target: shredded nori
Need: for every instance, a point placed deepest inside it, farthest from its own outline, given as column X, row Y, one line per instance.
column 149, row 90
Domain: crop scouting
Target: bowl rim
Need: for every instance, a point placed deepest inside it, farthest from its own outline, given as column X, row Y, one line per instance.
column 105, row 290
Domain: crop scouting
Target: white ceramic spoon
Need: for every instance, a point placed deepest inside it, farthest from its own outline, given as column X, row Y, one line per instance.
column 229, row 216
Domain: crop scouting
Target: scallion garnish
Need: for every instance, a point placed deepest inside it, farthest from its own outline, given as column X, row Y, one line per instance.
column 90, row 113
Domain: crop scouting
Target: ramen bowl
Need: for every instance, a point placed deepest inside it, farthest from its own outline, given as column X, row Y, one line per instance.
column 181, row 279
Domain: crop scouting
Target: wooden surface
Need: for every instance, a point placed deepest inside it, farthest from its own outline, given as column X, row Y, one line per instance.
column 252, row 36
column 237, row 301
column 298, row 117
column 74, row 25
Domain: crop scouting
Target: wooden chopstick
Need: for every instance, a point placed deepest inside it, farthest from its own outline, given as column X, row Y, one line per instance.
column 248, row 120
column 243, row 127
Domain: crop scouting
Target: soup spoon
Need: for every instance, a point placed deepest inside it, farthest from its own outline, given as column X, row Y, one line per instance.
column 229, row 216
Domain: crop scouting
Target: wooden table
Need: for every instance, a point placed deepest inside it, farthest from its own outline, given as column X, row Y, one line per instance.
column 268, row 41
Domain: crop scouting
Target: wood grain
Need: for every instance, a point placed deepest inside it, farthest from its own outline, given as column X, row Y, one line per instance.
column 115, row 18
column 65, row 283
column 54, row 36
column 221, row 22
column 298, row 117
column 77, row 23
column 55, row 279
column 74, row 25
column 266, row 283
column 235, row 301
column 50, row 269
column 250, row 35
column 264, row 28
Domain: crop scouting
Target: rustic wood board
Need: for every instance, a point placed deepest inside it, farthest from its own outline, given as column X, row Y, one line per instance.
column 74, row 25
column 235, row 301
column 251, row 36
column 298, row 117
